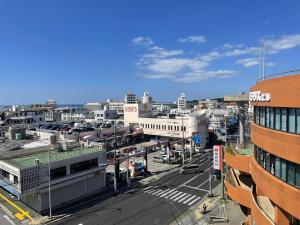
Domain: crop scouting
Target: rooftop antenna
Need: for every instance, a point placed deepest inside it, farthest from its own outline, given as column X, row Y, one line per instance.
column 263, row 60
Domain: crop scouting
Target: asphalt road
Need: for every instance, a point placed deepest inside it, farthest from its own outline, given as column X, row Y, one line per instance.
column 158, row 203
column 6, row 220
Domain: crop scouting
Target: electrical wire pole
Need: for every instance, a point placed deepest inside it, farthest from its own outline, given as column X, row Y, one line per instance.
column 209, row 159
column 127, row 175
column 49, row 186
column 182, row 142
column 222, row 151
column 115, row 158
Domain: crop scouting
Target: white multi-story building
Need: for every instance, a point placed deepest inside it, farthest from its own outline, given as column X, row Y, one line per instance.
column 181, row 102
column 116, row 105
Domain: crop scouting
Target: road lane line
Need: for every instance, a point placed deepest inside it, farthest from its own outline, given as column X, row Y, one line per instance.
column 185, row 197
column 195, row 200
column 189, row 199
column 174, row 196
column 199, row 189
column 9, row 220
column 179, row 197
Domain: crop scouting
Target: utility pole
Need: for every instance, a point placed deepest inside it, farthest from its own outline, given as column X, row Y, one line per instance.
column 209, row 159
column 182, row 141
column 128, row 178
column 222, row 151
column 115, row 157
column 49, row 186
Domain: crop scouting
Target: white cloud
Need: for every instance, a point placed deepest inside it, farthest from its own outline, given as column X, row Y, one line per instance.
column 144, row 41
column 193, row 38
column 284, row 42
column 180, row 66
column 247, row 62
column 203, row 75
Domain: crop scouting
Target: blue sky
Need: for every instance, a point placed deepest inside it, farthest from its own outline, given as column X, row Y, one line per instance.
column 78, row 51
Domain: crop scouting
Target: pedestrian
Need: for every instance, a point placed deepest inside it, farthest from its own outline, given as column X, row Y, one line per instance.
column 204, row 207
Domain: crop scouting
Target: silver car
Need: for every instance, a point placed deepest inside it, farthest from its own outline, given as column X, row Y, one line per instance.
column 191, row 168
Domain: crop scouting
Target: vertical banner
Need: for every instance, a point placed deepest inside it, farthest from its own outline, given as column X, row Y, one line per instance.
column 217, row 157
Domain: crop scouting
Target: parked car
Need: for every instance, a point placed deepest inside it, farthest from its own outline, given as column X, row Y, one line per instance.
column 159, row 159
column 191, row 168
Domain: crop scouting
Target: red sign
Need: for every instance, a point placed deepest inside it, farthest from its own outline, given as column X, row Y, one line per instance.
column 130, row 109
column 217, row 156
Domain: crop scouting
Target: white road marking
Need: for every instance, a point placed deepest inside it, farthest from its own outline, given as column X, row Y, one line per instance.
column 174, row 196
column 163, row 192
column 195, row 200
column 179, row 197
column 147, row 188
column 199, row 189
column 9, row 220
column 189, row 199
column 156, row 192
column 150, row 191
column 173, row 193
column 185, row 197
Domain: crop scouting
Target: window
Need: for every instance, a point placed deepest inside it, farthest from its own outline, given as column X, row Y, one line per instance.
column 272, row 164
column 292, row 120
column 267, row 162
column 58, row 173
column 291, row 173
column 283, row 169
column 271, row 118
column 82, row 166
column 256, row 115
column 16, row 180
column 298, row 121
column 277, row 166
column 268, row 117
column 277, row 118
column 298, row 176
column 283, row 119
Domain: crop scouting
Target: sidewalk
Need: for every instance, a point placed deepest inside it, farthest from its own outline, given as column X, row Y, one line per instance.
column 216, row 207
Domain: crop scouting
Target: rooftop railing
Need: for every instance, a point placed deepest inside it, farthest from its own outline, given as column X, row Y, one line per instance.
column 285, row 73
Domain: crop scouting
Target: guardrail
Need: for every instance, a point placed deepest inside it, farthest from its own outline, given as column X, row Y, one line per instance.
column 285, row 73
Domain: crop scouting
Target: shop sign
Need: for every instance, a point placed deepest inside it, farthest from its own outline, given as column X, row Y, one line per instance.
column 257, row 96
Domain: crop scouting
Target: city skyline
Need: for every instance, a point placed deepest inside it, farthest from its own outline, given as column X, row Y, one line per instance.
column 76, row 53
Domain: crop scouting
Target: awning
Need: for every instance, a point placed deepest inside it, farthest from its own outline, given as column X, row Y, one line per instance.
column 10, row 188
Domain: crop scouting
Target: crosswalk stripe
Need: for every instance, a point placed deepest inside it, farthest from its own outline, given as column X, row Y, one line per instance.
column 189, row 199
column 179, row 197
column 174, row 196
column 150, row 191
column 196, row 199
column 163, row 192
column 147, row 188
column 166, row 192
column 156, row 192
column 173, row 193
column 185, row 197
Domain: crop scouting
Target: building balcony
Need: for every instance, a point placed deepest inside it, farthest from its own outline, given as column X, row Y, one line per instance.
column 234, row 159
column 281, row 193
column 277, row 142
column 238, row 188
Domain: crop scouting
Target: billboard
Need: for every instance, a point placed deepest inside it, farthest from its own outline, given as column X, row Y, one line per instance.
column 217, row 157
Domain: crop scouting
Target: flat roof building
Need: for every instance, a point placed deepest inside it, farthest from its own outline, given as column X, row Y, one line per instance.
column 74, row 174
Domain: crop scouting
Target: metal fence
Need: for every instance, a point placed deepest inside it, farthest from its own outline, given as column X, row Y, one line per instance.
column 285, row 73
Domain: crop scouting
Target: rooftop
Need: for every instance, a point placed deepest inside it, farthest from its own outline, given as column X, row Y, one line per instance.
column 55, row 155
